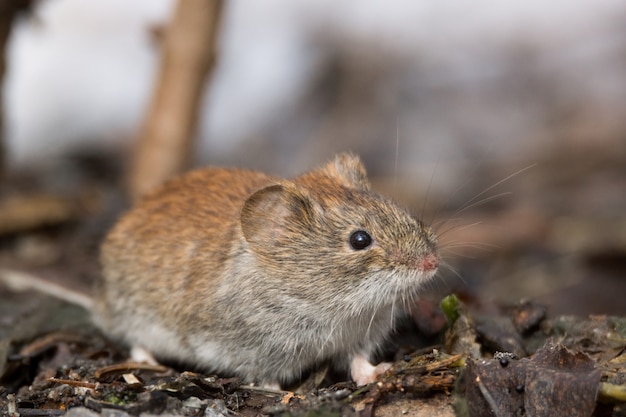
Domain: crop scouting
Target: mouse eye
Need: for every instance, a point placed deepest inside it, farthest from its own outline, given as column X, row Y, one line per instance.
column 360, row 240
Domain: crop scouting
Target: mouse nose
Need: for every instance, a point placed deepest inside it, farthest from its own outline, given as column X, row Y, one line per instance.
column 430, row 262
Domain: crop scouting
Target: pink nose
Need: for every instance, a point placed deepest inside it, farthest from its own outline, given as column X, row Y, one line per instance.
column 430, row 262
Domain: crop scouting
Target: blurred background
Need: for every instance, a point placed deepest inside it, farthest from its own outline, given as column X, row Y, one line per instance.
column 502, row 123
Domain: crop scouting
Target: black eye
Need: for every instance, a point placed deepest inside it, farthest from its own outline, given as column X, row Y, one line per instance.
column 360, row 240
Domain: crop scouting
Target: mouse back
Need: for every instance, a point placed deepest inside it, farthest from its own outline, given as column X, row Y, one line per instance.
column 173, row 245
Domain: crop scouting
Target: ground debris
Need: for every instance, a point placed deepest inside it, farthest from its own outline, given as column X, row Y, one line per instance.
column 77, row 369
column 527, row 315
column 424, row 375
column 555, row 381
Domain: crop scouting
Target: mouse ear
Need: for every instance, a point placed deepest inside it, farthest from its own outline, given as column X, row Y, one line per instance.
column 274, row 211
column 348, row 169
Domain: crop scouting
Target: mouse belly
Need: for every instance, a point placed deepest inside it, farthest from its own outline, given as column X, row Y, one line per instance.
column 151, row 338
column 273, row 350
column 271, row 356
column 254, row 358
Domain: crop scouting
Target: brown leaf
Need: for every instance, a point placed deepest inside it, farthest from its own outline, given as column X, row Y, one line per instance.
column 555, row 381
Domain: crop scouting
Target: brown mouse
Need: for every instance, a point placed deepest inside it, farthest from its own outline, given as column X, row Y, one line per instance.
column 265, row 278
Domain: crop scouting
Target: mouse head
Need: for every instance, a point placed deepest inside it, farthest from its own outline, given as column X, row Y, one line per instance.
column 329, row 236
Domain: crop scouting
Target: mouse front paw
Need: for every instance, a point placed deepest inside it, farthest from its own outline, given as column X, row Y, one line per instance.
column 363, row 372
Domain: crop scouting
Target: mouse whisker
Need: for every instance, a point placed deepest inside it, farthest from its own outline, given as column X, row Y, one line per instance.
column 460, row 255
column 470, row 202
column 430, row 183
column 442, row 222
column 457, row 227
column 471, row 244
column 395, row 167
column 454, row 271
column 482, row 202
column 469, row 179
column 475, row 201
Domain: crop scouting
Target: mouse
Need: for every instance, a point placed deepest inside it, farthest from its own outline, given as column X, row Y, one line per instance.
column 248, row 274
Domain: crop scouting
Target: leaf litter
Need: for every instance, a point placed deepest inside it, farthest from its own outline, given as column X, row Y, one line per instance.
column 579, row 369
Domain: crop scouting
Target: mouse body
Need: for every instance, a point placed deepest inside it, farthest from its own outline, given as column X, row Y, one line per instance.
column 248, row 274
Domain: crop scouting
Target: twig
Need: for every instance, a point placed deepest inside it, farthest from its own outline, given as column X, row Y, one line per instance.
column 129, row 366
column 71, row 382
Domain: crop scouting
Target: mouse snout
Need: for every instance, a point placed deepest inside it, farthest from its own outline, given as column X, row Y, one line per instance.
column 426, row 262
column 430, row 262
